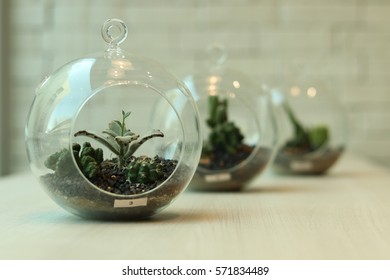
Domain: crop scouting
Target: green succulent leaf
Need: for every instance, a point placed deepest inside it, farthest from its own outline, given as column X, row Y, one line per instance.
column 105, row 142
column 116, row 127
column 129, row 133
column 126, row 140
column 319, row 135
column 133, row 147
column 125, row 114
column 110, row 133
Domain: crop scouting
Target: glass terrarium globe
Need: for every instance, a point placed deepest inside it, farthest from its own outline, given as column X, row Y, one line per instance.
column 239, row 131
column 93, row 143
column 312, row 125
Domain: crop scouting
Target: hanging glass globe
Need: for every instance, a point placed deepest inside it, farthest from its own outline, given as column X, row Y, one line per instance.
column 239, row 130
column 92, row 141
column 312, row 125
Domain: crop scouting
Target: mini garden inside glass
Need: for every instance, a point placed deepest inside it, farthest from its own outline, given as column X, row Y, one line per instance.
column 94, row 140
column 239, row 129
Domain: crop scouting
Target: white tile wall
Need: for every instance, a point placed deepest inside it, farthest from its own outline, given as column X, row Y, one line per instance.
column 3, row 98
column 347, row 41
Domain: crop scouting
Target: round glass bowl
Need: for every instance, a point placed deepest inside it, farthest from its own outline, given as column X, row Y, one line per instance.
column 239, row 131
column 94, row 143
column 313, row 128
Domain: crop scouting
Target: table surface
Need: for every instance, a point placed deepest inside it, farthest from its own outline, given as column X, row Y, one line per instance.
column 342, row 215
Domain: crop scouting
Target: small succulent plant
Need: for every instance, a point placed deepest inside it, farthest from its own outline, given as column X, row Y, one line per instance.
column 124, row 174
column 145, row 170
column 224, row 135
column 120, row 140
column 308, row 138
column 87, row 158
column 60, row 162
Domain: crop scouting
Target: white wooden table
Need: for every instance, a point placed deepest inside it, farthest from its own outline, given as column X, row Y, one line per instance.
column 344, row 215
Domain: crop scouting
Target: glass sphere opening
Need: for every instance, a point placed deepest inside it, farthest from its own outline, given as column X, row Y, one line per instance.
column 126, row 138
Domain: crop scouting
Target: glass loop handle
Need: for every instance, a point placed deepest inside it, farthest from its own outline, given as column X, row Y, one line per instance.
column 114, row 32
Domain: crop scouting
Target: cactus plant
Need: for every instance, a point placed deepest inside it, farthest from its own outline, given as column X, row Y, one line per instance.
column 224, row 147
column 224, row 135
column 145, row 169
column 120, row 140
column 88, row 160
column 60, row 162
column 305, row 138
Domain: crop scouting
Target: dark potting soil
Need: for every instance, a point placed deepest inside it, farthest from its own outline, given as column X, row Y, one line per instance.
column 110, row 179
column 114, row 180
column 231, row 179
column 301, row 161
column 219, row 159
column 74, row 193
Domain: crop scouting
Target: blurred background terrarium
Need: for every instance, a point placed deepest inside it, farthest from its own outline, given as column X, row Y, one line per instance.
column 92, row 140
column 239, row 132
column 312, row 126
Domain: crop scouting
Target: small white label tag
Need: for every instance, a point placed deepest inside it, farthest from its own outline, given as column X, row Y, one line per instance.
column 218, row 177
column 301, row 165
column 123, row 203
